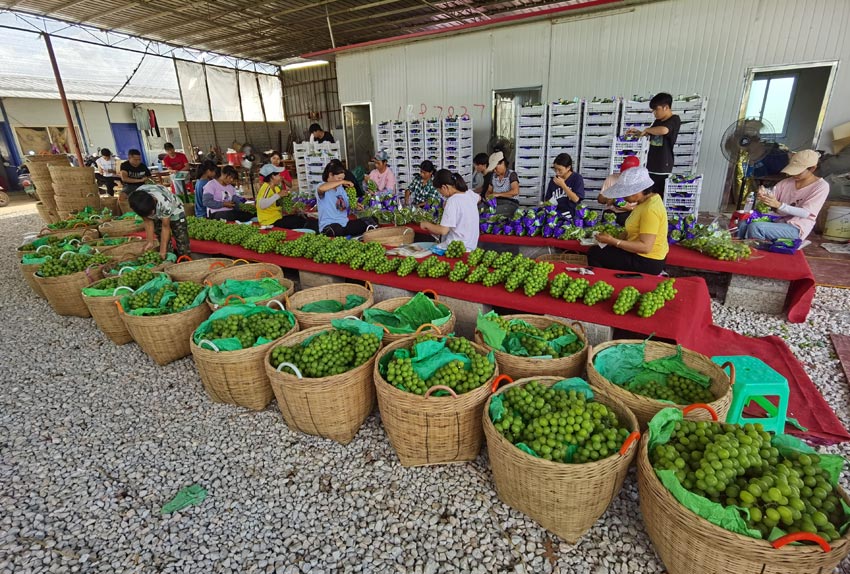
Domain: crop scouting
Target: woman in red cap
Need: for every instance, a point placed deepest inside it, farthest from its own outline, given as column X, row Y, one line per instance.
column 623, row 210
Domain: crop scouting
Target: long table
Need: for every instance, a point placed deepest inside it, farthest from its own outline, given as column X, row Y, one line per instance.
column 794, row 268
column 679, row 320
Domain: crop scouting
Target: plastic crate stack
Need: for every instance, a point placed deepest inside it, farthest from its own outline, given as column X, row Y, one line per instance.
column 624, row 147
column 681, row 194
column 564, row 132
column 692, row 112
column 415, row 145
column 434, row 141
column 600, row 123
column 310, row 162
column 457, row 146
column 399, row 161
column 530, row 153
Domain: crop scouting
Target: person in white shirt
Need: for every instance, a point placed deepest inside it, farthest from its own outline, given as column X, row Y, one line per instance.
column 107, row 171
column 460, row 212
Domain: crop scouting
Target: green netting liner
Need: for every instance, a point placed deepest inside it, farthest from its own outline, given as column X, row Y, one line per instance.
column 732, row 518
column 233, row 343
column 420, row 310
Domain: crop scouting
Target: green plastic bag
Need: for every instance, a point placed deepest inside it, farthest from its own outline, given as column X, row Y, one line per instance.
column 357, row 327
column 419, row 311
column 333, row 306
column 250, row 291
column 232, row 343
column 188, row 496
column 491, row 332
column 497, row 408
column 620, row 363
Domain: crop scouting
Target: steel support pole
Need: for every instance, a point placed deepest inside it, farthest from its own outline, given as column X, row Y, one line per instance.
column 65, row 108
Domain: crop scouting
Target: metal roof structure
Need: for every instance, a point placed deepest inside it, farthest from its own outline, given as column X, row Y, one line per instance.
column 278, row 31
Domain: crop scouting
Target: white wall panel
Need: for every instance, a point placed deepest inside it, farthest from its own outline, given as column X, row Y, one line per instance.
column 679, row 46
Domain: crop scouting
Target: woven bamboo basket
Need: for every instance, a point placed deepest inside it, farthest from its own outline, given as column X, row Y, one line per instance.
column 49, row 203
column 566, row 499
column 286, row 284
column 396, row 302
column 28, row 271
column 66, row 191
column 106, row 314
column 330, row 407
column 47, row 214
column 521, row 367
column 165, row 338
column 124, row 203
column 120, row 227
column 64, row 292
column 187, row 269
column 135, row 246
column 67, row 175
column 428, row 430
column 390, row 236
column 237, row 377
column 66, row 206
column 568, row 258
column 245, row 272
column 80, row 229
column 60, row 158
column 335, row 291
column 118, row 265
column 689, row 544
column 645, row 408
column 110, row 202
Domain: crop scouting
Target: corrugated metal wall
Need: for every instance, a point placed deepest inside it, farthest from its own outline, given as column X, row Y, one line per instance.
column 679, row 46
column 309, row 91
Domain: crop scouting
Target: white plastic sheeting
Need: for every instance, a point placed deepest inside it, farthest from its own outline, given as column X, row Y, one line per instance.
column 272, row 93
column 194, row 91
column 224, row 94
column 252, row 109
column 89, row 72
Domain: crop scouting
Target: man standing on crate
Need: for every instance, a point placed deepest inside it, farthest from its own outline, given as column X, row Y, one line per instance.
column 164, row 218
column 662, row 134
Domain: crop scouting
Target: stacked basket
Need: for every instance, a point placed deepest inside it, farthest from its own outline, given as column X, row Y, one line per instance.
column 74, row 189
column 38, row 167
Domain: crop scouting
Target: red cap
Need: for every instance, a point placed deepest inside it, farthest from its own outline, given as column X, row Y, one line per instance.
column 629, row 162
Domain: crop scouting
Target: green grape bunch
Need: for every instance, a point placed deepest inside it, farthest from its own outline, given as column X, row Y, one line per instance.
column 560, row 426
column 576, row 290
column 735, row 465
column 458, row 375
column 250, row 329
column 475, row 257
column 332, row 352
column 626, row 300
column 649, row 303
column 70, row 264
column 599, row 291
column 408, row 264
column 558, row 285
column 456, row 250
column 459, row 272
column 477, row 275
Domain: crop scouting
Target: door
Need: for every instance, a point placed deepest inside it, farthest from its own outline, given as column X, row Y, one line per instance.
column 791, row 99
column 506, row 104
column 357, row 133
column 127, row 137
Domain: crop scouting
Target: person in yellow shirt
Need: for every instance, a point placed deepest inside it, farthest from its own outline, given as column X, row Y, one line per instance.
column 643, row 247
column 269, row 214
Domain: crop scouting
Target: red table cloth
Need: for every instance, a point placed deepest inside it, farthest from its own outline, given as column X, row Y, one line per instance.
column 794, row 268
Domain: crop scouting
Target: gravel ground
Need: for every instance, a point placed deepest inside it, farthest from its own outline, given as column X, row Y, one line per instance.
column 96, row 438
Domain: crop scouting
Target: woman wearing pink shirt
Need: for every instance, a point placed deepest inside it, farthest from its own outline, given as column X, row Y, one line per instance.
column 382, row 175
column 798, row 199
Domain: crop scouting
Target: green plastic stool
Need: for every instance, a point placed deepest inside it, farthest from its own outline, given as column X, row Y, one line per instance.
column 754, row 381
